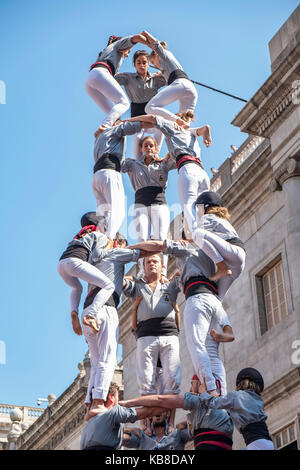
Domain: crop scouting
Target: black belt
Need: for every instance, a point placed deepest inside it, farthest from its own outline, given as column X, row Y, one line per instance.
column 108, row 161
column 177, row 74
column 237, row 242
column 99, row 448
column 199, row 285
column 113, row 300
column 184, row 159
column 254, row 431
column 150, row 195
column 157, row 326
column 105, row 64
column 138, row 109
column 210, row 439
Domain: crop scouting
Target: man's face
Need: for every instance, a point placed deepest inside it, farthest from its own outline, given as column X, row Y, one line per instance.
column 115, row 398
column 159, row 420
column 153, row 265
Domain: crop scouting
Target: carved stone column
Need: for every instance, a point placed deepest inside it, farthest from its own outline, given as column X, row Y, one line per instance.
column 16, row 429
column 287, row 179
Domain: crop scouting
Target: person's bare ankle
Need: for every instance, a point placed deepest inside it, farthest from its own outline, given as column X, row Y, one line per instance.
column 90, row 321
column 222, row 271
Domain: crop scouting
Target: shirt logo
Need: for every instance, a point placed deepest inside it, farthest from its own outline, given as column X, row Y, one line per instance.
column 167, row 298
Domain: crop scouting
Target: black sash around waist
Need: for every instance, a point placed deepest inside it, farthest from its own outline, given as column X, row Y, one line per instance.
column 176, row 74
column 209, row 439
column 184, row 159
column 199, row 285
column 237, row 242
column 108, row 161
column 138, row 109
column 76, row 251
column 99, row 448
column 113, row 301
column 150, row 195
column 105, row 64
column 254, row 431
column 157, row 326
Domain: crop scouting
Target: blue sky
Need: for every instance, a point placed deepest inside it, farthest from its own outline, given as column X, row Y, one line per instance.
column 46, row 144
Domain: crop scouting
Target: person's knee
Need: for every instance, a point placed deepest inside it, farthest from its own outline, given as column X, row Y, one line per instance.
column 149, row 108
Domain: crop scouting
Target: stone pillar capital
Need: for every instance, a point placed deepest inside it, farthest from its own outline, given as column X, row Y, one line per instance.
column 289, row 169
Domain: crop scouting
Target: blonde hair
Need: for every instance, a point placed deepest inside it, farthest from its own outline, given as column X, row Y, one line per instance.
column 247, row 384
column 219, row 211
column 148, row 137
column 186, row 115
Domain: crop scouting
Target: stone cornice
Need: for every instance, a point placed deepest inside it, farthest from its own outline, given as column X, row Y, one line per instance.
column 273, row 102
column 283, row 386
column 289, row 169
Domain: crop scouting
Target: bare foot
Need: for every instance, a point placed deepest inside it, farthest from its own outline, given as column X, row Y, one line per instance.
column 206, row 136
column 97, row 407
column 222, row 271
column 76, row 323
column 148, row 432
column 214, row 393
column 90, row 321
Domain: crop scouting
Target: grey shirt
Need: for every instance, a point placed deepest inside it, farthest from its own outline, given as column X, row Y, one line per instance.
column 167, row 62
column 112, row 264
column 179, row 141
column 138, row 90
column 106, row 428
column 245, row 406
column 173, row 441
column 141, row 175
column 190, row 261
column 113, row 54
column 153, row 304
column 218, row 225
column 112, row 140
column 201, row 417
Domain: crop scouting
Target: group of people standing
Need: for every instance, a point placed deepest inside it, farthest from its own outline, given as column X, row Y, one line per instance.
column 210, row 256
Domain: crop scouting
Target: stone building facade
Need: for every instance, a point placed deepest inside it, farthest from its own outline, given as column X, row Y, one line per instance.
column 260, row 184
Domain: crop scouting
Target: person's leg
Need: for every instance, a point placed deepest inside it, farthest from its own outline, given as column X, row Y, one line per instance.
column 137, row 153
column 65, row 271
column 101, row 80
column 160, row 221
column 171, row 368
column 188, row 98
column 216, row 364
column 164, row 97
column 260, row 444
column 109, row 192
column 142, row 224
column 146, row 362
column 198, row 313
column 192, row 180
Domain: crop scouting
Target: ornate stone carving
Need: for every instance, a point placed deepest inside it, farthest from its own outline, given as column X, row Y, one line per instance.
column 289, row 169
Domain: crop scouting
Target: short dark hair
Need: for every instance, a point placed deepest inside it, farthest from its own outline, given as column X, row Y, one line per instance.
column 120, row 238
column 112, row 39
column 138, row 53
column 154, row 254
column 113, row 389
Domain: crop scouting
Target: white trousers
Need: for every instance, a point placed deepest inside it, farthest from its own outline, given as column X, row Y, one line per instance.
column 103, row 351
column 149, row 348
column 70, row 269
column 216, row 364
column 192, row 181
column 201, row 311
column 181, row 90
column 260, row 444
column 154, row 132
column 107, row 93
column 220, row 250
column 109, row 192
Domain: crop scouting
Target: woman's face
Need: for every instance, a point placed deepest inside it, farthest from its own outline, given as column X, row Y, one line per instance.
column 149, row 147
column 141, row 64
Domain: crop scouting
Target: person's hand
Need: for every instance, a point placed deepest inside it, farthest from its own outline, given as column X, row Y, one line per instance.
column 202, row 386
column 164, row 279
column 215, row 335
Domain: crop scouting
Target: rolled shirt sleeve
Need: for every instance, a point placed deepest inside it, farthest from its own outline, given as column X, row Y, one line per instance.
column 125, row 415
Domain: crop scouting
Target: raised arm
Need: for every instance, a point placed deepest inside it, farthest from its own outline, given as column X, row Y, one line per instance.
column 147, row 412
column 149, row 245
column 163, row 401
column 145, row 118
